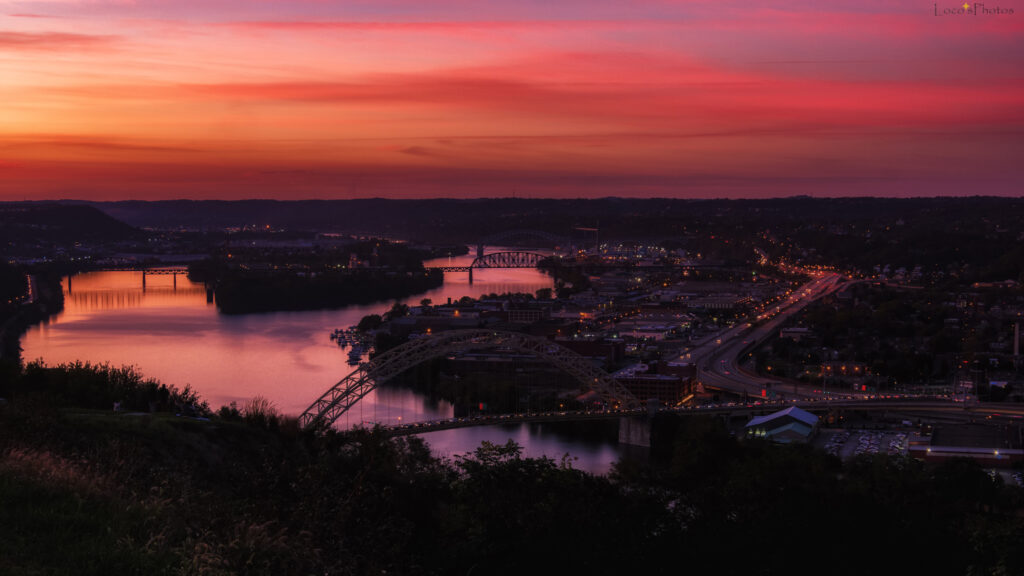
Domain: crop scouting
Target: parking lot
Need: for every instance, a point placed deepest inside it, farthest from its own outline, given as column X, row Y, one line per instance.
column 850, row 443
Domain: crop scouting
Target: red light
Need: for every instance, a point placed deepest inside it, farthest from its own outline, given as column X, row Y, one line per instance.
column 863, row 388
column 764, row 393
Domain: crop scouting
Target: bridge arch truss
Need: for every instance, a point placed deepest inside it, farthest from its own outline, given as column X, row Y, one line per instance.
column 339, row 398
column 497, row 239
column 501, row 237
column 507, row 260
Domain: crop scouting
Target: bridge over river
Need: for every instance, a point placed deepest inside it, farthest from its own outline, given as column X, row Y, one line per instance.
column 615, row 401
column 918, row 404
column 507, row 259
column 387, row 365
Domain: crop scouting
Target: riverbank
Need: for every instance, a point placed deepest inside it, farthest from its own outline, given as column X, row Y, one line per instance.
column 47, row 299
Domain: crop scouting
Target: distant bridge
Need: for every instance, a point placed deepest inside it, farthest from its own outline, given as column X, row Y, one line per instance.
column 144, row 270
column 155, row 271
column 343, row 395
column 499, row 260
column 510, row 259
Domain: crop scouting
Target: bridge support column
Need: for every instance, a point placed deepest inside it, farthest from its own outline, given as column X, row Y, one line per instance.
column 470, row 274
column 635, row 431
column 143, row 280
column 174, row 278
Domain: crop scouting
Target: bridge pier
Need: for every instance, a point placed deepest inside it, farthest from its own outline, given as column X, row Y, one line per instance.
column 143, row 280
column 635, row 431
column 470, row 274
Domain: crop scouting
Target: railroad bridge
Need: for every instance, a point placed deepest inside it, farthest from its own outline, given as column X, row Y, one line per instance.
column 174, row 272
column 511, row 259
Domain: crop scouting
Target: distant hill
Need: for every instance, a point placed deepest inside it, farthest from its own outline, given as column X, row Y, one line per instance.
column 448, row 220
column 59, row 224
column 976, row 238
column 402, row 218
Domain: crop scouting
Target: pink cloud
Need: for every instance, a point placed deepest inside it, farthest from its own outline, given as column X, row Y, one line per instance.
column 592, row 93
column 85, row 142
column 53, row 41
column 710, row 96
column 438, row 26
column 607, row 90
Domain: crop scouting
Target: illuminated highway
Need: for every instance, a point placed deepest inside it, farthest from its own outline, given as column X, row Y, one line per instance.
column 718, row 360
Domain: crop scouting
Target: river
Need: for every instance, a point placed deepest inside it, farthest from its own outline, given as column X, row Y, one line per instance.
column 169, row 331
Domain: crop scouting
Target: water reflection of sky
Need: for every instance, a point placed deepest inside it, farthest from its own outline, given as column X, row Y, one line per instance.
column 171, row 333
column 593, row 455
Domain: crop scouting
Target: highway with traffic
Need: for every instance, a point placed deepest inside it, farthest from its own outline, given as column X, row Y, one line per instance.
column 719, row 360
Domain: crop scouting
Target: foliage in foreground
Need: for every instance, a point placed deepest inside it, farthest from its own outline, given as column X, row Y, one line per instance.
column 100, row 386
column 250, row 493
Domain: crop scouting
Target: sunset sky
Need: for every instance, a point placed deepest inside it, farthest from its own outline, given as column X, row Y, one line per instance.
column 157, row 99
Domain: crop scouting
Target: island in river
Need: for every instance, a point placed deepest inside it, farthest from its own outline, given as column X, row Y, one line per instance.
column 274, row 278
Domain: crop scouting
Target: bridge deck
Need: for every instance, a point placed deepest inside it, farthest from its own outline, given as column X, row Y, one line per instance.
column 926, row 404
column 154, row 271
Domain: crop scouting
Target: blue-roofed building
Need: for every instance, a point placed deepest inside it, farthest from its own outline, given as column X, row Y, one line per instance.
column 784, row 426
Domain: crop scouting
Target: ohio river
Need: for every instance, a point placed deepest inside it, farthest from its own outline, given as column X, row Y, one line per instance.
column 170, row 332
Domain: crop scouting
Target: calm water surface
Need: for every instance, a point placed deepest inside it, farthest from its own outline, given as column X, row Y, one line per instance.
column 170, row 332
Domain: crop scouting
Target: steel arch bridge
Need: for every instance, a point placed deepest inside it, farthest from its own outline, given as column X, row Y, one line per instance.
column 343, row 395
column 497, row 239
column 509, row 234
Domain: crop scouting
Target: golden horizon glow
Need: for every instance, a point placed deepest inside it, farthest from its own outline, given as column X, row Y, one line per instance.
column 111, row 100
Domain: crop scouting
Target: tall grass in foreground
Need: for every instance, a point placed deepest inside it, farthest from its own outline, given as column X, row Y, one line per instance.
column 101, row 386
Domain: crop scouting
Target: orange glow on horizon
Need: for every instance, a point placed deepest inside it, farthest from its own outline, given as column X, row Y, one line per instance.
column 310, row 99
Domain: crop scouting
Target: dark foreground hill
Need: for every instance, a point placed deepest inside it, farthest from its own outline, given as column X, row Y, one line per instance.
column 85, row 490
